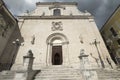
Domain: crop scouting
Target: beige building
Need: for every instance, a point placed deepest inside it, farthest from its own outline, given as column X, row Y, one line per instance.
column 111, row 34
column 9, row 32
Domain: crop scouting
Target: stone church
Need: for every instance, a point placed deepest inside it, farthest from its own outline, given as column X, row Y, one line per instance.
column 60, row 43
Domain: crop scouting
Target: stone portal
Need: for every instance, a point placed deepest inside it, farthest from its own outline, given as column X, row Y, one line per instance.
column 57, row 55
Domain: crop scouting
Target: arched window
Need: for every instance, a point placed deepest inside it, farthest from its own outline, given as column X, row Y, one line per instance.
column 56, row 12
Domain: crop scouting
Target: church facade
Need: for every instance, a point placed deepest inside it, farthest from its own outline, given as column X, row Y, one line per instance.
column 57, row 33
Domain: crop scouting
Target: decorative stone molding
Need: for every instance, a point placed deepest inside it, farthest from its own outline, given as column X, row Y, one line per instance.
column 56, row 6
column 56, row 36
column 57, row 26
column 53, row 3
column 58, row 17
column 63, row 43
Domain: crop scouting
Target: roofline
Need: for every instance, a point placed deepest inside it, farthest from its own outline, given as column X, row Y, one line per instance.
column 3, row 5
column 52, row 3
column 56, row 17
column 110, row 16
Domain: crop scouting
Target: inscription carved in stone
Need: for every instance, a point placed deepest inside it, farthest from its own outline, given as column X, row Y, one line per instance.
column 56, row 26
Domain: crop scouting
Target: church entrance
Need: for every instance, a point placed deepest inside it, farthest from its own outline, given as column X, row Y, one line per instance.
column 57, row 55
column 57, row 49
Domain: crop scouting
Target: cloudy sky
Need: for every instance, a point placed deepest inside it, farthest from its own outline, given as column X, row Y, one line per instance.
column 100, row 9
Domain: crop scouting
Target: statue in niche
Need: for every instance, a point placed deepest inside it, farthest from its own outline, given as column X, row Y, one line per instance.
column 57, row 26
column 33, row 40
column 43, row 14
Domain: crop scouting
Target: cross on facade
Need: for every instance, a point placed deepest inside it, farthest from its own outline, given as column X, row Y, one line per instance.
column 101, row 61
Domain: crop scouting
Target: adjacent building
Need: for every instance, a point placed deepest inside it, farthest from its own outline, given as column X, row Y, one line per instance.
column 111, row 35
column 9, row 32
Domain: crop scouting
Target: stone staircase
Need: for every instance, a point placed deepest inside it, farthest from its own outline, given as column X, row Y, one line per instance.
column 59, row 73
column 12, row 75
column 7, row 75
column 104, row 74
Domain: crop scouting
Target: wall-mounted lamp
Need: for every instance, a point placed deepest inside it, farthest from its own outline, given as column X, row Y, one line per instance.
column 17, row 42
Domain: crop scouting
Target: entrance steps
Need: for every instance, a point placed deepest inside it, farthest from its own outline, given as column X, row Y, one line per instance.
column 104, row 74
column 7, row 75
column 13, row 75
column 59, row 73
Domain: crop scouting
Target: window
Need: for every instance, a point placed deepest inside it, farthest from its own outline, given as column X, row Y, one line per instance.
column 57, row 12
column 118, row 41
column 117, row 23
column 113, row 31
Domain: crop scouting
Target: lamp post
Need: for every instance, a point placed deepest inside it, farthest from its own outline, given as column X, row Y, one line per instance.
column 101, row 61
column 16, row 43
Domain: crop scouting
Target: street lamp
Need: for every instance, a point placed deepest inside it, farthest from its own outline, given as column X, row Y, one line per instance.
column 101, row 61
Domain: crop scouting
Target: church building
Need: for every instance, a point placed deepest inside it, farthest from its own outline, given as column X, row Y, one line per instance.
column 61, row 41
column 56, row 33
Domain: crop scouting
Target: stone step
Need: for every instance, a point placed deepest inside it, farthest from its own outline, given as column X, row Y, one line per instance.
column 58, row 73
column 108, row 74
column 11, row 75
column 57, row 78
column 7, row 75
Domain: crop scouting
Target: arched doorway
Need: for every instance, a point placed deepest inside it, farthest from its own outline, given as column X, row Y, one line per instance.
column 57, row 57
column 57, row 49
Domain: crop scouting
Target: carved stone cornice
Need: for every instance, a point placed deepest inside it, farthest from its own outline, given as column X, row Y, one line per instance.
column 56, row 6
column 57, row 17
column 54, row 3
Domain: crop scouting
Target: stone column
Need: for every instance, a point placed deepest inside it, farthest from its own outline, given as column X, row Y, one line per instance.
column 65, row 54
column 28, row 61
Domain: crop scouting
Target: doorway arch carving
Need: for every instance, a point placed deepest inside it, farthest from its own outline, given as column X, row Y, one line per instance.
column 57, row 43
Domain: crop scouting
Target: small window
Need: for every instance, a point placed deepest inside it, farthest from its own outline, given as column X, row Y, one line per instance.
column 118, row 41
column 113, row 31
column 57, row 12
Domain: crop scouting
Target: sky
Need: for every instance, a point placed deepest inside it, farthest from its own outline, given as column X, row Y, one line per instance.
column 100, row 9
